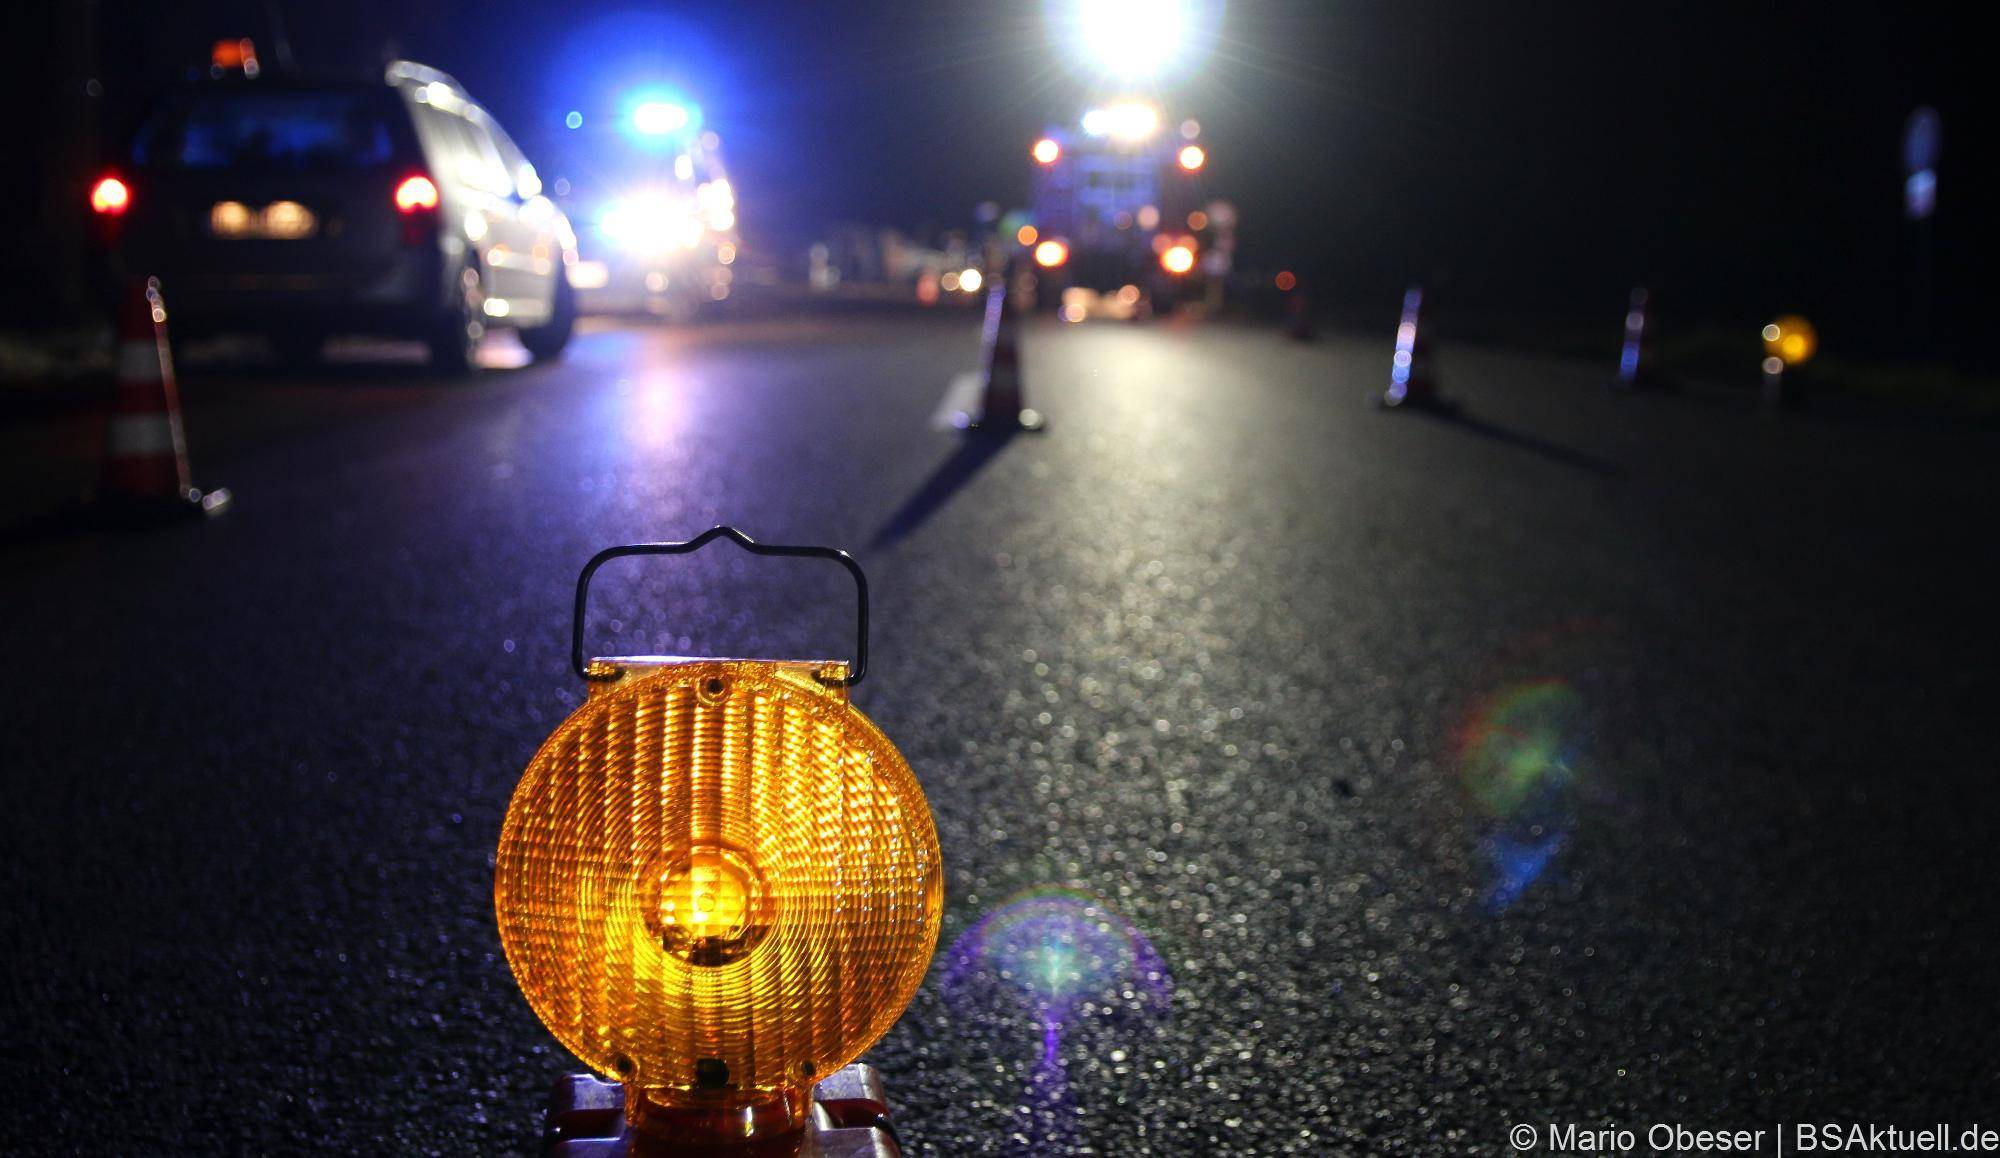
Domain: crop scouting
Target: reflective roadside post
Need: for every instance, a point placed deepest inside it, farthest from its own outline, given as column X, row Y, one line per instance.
column 1298, row 307
column 1923, row 141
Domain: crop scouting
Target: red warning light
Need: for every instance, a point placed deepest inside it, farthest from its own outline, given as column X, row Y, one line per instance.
column 233, row 56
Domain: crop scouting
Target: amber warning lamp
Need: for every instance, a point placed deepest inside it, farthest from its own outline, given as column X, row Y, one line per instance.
column 718, row 883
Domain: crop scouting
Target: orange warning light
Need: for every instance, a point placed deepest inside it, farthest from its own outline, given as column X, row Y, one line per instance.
column 1791, row 339
column 717, row 883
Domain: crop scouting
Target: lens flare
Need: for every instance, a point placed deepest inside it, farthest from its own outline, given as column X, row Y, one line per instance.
column 1072, row 961
column 1057, row 946
column 1519, row 754
column 1519, row 745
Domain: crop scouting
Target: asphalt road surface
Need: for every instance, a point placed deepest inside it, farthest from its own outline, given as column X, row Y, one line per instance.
column 1311, row 779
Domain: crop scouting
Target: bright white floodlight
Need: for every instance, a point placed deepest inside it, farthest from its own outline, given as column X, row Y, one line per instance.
column 1131, row 39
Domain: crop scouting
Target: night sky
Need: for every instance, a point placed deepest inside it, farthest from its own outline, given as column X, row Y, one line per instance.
column 1742, row 158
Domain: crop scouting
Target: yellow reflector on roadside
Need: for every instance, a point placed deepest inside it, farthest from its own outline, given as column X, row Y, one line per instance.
column 717, row 882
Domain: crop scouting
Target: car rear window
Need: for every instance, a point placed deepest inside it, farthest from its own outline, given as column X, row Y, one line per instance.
column 271, row 129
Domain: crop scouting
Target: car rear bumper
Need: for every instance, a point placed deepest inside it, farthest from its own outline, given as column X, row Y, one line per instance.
column 400, row 299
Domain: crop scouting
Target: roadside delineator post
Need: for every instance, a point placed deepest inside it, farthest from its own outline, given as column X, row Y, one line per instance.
column 1002, row 405
column 1773, row 393
column 146, row 474
column 1413, row 377
column 1635, row 362
column 1298, row 309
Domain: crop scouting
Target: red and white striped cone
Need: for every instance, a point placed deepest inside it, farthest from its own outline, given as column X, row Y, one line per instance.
column 145, row 451
column 1413, row 377
column 1001, row 397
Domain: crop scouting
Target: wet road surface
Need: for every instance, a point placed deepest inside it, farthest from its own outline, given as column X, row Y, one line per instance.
column 1310, row 779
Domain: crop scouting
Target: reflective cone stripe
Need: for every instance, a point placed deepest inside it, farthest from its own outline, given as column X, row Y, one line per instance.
column 1412, row 378
column 1632, row 357
column 145, row 449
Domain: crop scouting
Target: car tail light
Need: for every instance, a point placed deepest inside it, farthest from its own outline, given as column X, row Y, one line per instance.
column 110, row 197
column 416, row 194
column 417, row 203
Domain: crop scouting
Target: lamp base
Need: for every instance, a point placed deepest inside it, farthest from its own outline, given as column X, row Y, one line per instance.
column 849, row 1119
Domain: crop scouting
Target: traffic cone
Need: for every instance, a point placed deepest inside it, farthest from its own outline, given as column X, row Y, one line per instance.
column 1412, row 375
column 1635, row 361
column 145, row 463
column 1001, row 406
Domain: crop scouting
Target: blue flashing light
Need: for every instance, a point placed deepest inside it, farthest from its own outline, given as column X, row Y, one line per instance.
column 659, row 118
column 574, row 120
